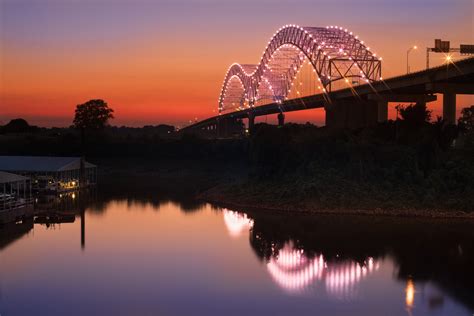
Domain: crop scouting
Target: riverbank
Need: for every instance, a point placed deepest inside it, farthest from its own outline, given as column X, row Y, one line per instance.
column 230, row 185
column 388, row 170
column 308, row 209
column 395, row 168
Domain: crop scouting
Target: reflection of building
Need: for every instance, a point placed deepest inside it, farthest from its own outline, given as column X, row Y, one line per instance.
column 15, row 197
column 294, row 271
column 13, row 231
column 63, row 208
column 55, row 174
column 236, row 222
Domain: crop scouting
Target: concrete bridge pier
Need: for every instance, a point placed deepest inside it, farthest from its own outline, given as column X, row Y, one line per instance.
column 449, row 91
column 223, row 127
column 363, row 113
column 281, row 119
column 218, row 127
column 382, row 111
column 228, row 127
column 251, row 126
column 449, row 107
column 383, row 100
column 212, row 129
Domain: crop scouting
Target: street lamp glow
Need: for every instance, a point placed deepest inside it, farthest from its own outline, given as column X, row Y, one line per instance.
column 414, row 47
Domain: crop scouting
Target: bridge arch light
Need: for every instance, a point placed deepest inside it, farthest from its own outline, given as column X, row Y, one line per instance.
column 325, row 48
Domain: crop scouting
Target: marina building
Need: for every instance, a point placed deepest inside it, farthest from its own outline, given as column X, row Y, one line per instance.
column 55, row 174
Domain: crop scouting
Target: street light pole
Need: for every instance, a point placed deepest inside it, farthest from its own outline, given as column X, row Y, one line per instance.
column 408, row 53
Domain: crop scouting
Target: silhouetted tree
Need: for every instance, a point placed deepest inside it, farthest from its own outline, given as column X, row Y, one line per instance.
column 466, row 125
column 466, row 121
column 18, row 125
column 92, row 115
column 445, row 133
column 414, row 114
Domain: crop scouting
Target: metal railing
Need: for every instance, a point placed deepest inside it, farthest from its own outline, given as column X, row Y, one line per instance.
column 8, row 203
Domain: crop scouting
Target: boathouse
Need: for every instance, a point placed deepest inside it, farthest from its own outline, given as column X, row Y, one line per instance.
column 15, row 197
column 56, row 174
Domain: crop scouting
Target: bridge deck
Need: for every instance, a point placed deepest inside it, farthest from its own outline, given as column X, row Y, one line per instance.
column 423, row 82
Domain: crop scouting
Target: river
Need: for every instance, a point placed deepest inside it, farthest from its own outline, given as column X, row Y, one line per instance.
column 152, row 256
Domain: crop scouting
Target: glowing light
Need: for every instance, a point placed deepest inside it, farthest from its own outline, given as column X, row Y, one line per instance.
column 236, row 222
column 274, row 87
column 293, row 271
column 410, row 293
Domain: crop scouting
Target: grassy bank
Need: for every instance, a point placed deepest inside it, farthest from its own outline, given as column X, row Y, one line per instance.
column 372, row 171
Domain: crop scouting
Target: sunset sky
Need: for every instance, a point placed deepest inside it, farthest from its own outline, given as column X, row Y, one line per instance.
column 164, row 61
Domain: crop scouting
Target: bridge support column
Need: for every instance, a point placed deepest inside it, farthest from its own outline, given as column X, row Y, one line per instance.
column 281, row 119
column 383, row 100
column 449, row 91
column 218, row 127
column 382, row 111
column 251, row 117
column 449, row 107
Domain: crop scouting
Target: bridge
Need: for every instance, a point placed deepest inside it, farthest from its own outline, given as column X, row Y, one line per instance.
column 345, row 79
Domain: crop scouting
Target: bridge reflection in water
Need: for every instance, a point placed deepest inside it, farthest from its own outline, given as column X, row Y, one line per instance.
column 294, row 271
column 261, row 263
column 336, row 255
column 237, row 223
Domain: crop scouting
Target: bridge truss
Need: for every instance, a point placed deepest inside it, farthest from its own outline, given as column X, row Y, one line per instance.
column 337, row 58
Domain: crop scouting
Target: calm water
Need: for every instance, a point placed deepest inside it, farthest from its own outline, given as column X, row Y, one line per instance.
column 153, row 257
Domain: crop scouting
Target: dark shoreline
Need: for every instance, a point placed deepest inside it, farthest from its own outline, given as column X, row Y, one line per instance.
column 393, row 169
column 210, row 183
column 402, row 213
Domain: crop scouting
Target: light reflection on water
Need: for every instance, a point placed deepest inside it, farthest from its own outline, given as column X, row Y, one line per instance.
column 236, row 223
column 133, row 257
column 295, row 272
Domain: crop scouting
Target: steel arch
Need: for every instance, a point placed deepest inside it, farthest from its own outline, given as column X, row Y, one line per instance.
column 334, row 53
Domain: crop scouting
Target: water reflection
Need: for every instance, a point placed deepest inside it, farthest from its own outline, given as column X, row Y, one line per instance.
column 11, row 232
column 295, row 272
column 285, row 263
column 410, row 294
column 236, row 223
column 338, row 252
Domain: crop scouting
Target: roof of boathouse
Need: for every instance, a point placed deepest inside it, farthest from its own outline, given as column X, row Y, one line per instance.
column 7, row 177
column 41, row 164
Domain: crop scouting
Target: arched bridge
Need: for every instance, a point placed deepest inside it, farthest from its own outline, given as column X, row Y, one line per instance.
column 332, row 68
column 333, row 52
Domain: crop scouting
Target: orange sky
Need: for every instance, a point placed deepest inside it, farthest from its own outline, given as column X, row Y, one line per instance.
column 164, row 62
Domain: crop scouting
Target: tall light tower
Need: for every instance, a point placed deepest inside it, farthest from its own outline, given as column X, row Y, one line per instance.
column 408, row 54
